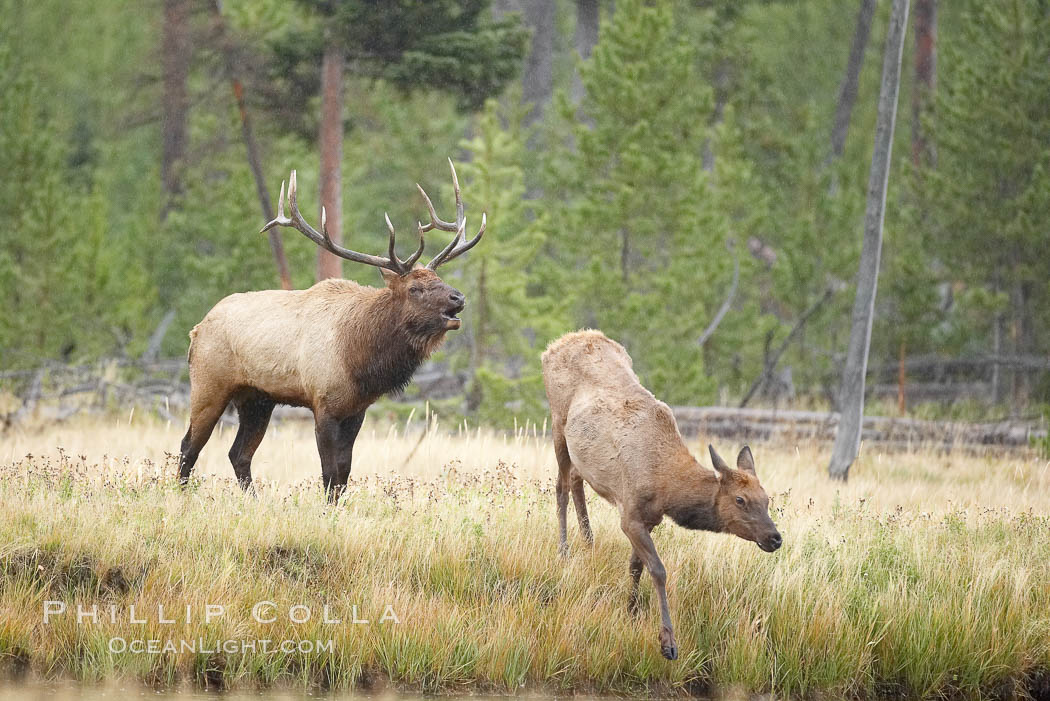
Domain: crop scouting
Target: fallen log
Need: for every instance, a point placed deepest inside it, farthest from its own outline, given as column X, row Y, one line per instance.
column 769, row 424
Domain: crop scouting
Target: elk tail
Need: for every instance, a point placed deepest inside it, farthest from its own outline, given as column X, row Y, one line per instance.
column 193, row 336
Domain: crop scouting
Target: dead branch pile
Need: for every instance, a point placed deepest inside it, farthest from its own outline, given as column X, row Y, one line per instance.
column 57, row 392
column 768, row 424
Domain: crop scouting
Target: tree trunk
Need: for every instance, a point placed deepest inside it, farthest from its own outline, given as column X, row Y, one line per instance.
column 847, row 438
column 478, row 341
column 263, row 193
column 586, row 36
column 625, row 254
column 502, row 8
column 230, row 65
column 925, row 79
column 538, row 78
column 902, row 379
column 176, row 52
column 721, row 78
column 331, row 146
column 1023, row 340
column 770, row 360
column 848, row 88
column 997, row 349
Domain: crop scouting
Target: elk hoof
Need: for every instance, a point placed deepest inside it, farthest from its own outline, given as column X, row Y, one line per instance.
column 668, row 646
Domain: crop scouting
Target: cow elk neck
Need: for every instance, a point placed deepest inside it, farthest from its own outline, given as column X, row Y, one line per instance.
column 694, row 504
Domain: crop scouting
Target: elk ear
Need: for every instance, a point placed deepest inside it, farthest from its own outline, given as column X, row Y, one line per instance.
column 746, row 461
column 389, row 276
column 718, row 462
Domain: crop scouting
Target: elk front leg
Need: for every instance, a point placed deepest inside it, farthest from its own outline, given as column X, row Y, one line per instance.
column 335, row 445
column 635, row 570
column 645, row 550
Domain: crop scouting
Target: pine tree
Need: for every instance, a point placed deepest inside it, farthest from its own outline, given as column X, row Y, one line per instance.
column 68, row 291
column 990, row 188
column 514, row 305
column 639, row 225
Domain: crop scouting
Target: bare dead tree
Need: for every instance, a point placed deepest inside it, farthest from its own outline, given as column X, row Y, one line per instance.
column 538, row 76
column 176, row 52
column 331, row 146
column 230, row 65
column 851, row 80
column 772, row 360
column 585, row 37
column 727, row 303
column 925, row 78
column 847, row 439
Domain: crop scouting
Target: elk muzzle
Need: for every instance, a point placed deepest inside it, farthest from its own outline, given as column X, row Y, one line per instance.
column 456, row 302
column 771, row 541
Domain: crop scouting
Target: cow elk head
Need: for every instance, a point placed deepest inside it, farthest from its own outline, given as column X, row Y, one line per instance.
column 742, row 504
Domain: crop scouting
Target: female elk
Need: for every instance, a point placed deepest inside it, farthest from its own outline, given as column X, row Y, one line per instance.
column 335, row 348
column 612, row 432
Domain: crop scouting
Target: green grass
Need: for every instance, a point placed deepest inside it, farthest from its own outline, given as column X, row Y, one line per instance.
column 876, row 592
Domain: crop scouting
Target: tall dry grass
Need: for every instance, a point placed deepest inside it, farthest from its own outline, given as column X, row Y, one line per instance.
column 926, row 575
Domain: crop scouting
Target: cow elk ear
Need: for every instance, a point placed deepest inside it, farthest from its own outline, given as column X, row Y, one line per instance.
column 745, row 462
column 718, row 462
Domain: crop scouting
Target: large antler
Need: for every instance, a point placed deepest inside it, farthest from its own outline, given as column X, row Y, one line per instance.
column 459, row 244
column 322, row 239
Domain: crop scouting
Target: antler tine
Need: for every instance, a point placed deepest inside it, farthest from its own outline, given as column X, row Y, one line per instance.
column 436, row 222
column 464, row 247
column 391, row 255
column 461, row 220
column 322, row 239
column 406, row 264
column 458, row 245
column 443, row 253
column 280, row 219
column 419, row 251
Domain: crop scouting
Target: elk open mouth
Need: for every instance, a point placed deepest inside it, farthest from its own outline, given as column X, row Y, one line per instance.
column 451, row 317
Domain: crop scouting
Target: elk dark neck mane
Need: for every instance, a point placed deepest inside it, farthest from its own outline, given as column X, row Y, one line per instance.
column 693, row 503
column 386, row 348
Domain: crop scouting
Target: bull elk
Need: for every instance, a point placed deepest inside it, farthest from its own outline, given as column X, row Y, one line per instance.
column 334, row 348
column 611, row 432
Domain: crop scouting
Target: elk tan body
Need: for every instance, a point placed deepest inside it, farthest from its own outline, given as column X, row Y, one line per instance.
column 314, row 348
column 611, row 432
column 335, row 348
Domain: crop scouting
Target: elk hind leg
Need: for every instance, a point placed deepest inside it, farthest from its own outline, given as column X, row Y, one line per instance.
column 562, row 486
column 579, row 500
column 254, row 413
column 204, row 414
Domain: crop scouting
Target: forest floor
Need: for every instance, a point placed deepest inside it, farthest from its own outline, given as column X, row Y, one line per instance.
column 927, row 575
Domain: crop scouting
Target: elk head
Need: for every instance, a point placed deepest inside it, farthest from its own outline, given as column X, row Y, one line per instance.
column 742, row 504
column 429, row 306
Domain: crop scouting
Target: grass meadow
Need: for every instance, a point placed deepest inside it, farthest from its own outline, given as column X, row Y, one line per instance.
column 926, row 576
